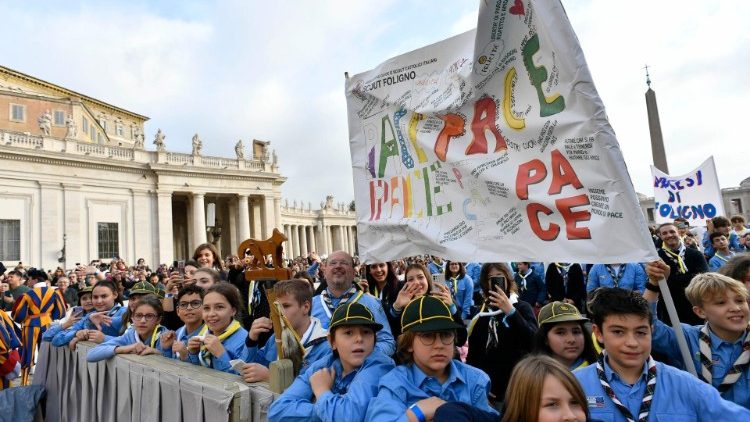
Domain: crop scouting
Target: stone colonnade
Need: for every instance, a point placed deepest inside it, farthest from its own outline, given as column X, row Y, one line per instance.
column 320, row 238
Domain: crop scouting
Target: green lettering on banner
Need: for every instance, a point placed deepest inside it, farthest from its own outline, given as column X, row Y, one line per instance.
column 387, row 148
column 548, row 106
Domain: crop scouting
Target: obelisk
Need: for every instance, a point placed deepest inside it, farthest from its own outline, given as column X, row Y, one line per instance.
column 654, row 127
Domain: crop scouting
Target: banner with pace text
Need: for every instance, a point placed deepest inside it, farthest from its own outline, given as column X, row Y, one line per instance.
column 695, row 196
column 492, row 145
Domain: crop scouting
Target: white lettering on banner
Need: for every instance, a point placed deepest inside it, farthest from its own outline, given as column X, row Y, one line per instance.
column 491, row 146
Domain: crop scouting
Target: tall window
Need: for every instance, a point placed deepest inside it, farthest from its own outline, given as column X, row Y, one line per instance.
column 59, row 118
column 103, row 123
column 108, row 240
column 17, row 113
column 650, row 212
column 736, row 205
column 10, row 240
column 85, row 125
column 119, row 130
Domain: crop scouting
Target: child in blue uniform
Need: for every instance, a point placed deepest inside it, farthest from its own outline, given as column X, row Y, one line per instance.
column 626, row 384
column 340, row 386
column 189, row 303
column 295, row 298
column 101, row 325
column 562, row 335
column 225, row 339
column 721, row 347
column 430, row 375
column 73, row 316
column 142, row 337
column 461, row 287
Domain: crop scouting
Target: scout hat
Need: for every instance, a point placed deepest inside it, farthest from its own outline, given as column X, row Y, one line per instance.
column 555, row 312
column 85, row 290
column 353, row 313
column 143, row 288
column 427, row 313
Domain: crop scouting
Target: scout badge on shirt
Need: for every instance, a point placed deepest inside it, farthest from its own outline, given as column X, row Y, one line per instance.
column 595, row 401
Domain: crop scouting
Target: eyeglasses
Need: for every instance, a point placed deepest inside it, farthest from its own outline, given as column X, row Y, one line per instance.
column 341, row 263
column 428, row 339
column 145, row 317
column 193, row 304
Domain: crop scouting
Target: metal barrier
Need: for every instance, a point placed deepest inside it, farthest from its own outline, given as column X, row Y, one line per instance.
column 143, row 388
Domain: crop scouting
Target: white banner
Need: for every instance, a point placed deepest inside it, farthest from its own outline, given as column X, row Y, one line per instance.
column 490, row 146
column 695, row 196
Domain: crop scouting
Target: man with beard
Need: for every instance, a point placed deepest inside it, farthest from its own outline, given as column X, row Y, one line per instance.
column 339, row 274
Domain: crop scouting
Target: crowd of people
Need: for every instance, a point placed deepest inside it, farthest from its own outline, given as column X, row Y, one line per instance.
column 424, row 338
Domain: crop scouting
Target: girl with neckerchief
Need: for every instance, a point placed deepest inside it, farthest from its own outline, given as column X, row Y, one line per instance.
column 384, row 285
column 143, row 336
column 98, row 326
column 418, row 283
column 139, row 289
column 225, row 338
column 73, row 315
column 562, row 335
column 341, row 385
column 461, row 287
column 503, row 329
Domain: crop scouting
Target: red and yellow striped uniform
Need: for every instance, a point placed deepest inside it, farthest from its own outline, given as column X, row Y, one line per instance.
column 9, row 342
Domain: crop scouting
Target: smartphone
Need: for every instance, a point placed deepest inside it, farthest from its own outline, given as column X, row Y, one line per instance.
column 498, row 282
column 181, row 267
column 438, row 278
column 77, row 311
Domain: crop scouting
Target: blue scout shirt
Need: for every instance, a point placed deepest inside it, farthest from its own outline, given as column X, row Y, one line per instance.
column 106, row 350
column 407, row 384
column 110, row 331
column 384, row 339
column 347, row 400
column 462, row 290
column 718, row 260
column 679, row 397
column 633, row 278
column 315, row 341
column 723, row 353
column 473, row 270
column 234, row 347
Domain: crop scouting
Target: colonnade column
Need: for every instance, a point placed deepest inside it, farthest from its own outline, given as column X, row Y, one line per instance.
column 313, row 246
column 166, row 242
column 303, row 241
column 243, row 215
column 295, row 240
column 199, row 220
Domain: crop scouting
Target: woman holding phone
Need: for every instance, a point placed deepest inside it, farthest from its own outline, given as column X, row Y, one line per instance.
column 504, row 329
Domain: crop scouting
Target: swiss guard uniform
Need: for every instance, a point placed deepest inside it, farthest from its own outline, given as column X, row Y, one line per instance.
column 9, row 343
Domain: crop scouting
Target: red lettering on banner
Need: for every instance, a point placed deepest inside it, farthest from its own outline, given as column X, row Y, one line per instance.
column 534, row 172
column 454, row 126
column 480, row 125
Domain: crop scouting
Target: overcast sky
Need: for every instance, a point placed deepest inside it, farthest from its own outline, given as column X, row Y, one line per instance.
column 274, row 71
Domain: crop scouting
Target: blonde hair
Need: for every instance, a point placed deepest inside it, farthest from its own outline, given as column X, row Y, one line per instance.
column 523, row 398
column 709, row 285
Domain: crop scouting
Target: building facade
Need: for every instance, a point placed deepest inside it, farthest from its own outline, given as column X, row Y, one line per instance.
column 77, row 184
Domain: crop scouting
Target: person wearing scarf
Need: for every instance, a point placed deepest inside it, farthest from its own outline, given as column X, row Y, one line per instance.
column 627, row 384
column 685, row 263
column 721, row 346
column 34, row 311
column 142, row 337
column 565, row 283
column 102, row 324
column 74, row 314
column 225, row 339
column 503, row 330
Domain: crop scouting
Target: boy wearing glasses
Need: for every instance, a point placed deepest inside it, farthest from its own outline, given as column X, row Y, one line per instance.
column 190, row 312
column 429, row 376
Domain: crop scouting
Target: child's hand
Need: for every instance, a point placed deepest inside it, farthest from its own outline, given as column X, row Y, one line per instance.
column 100, row 318
column 441, row 292
column 194, row 344
column 213, row 345
column 429, row 406
column 73, row 343
column 179, row 347
column 322, row 381
column 499, row 300
column 260, row 325
column 405, row 295
column 254, row 372
column 167, row 339
column 149, row 351
column 96, row 336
